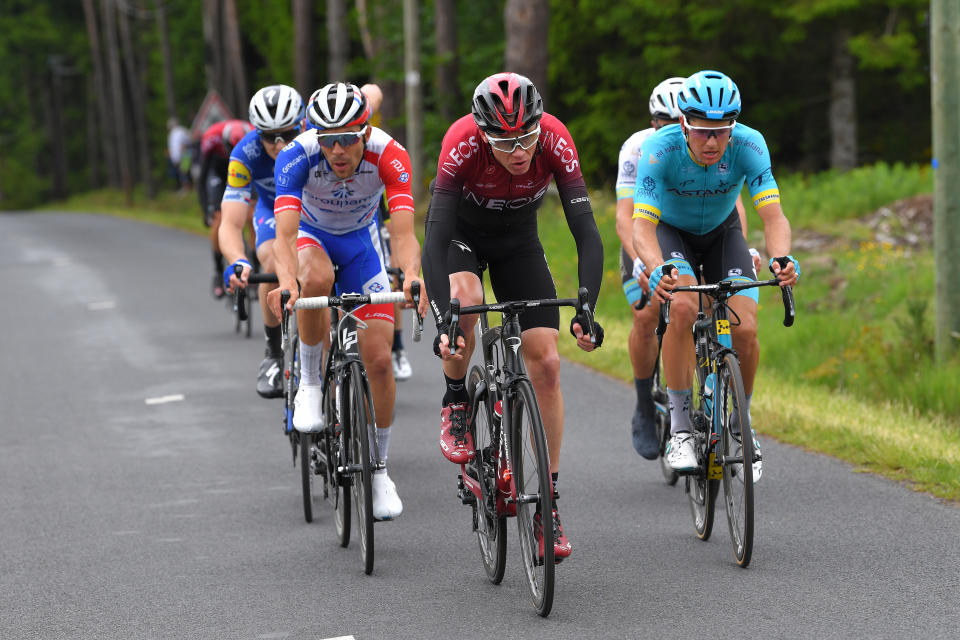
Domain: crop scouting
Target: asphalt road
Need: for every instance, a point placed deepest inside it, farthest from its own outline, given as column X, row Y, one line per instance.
column 182, row 519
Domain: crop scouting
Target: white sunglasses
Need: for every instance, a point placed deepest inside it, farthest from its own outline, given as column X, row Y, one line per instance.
column 508, row 145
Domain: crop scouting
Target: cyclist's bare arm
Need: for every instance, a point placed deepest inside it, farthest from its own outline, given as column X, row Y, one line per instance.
column 233, row 218
column 742, row 213
column 374, row 96
column 285, row 257
column 776, row 231
column 406, row 252
column 625, row 225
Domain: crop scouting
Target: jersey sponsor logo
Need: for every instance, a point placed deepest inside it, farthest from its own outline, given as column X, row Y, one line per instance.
column 649, row 183
column 701, row 193
column 762, row 199
column 460, row 153
column 653, row 160
column 762, row 177
column 676, row 254
column 735, row 272
column 722, row 167
column 404, row 177
column 579, row 200
column 629, row 169
column 560, row 148
column 463, row 247
column 664, row 151
column 293, row 163
column 376, row 287
column 501, row 204
column 749, row 144
column 342, row 191
column 237, row 174
column 396, row 164
column 252, row 149
column 646, row 211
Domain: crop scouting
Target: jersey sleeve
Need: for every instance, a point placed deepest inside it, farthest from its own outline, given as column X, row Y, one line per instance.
column 239, row 178
column 758, row 173
column 648, row 188
column 395, row 174
column 458, row 152
column 627, row 168
column 290, row 174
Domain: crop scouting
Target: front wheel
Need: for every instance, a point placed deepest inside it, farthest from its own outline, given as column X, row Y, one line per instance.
column 362, row 423
column 338, row 457
column 491, row 527
column 534, row 494
column 701, row 488
column 738, row 453
column 306, row 474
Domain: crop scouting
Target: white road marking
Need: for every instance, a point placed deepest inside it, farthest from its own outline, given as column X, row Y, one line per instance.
column 176, row 397
column 341, row 638
column 102, row 305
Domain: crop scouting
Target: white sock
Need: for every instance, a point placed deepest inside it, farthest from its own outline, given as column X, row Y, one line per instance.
column 679, row 410
column 310, row 357
column 383, row 442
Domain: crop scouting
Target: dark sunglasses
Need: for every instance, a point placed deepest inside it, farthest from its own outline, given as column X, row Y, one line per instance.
column 276, row 137
column 345, row 140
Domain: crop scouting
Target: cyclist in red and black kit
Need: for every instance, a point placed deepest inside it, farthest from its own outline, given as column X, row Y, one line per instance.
column 494, row 169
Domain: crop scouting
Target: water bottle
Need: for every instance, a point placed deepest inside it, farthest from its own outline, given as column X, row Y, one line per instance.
column 708, row 386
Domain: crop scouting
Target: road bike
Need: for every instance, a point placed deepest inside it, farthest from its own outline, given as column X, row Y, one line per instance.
column 724, row 447
column 509, row 475
column 344, row 454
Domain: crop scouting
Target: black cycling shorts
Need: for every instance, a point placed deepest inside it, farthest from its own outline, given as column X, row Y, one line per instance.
column 723, row 252
column 517, row 266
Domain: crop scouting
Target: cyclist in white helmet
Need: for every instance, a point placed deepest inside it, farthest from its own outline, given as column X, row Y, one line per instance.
column 329, row 183
column 641, row 345
column 276, row 112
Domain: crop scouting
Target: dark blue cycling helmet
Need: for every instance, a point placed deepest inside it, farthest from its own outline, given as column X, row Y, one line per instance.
column 710, row 95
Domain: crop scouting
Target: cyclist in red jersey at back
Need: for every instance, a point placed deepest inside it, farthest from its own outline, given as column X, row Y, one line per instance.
column 216, row 143
column 494, row 169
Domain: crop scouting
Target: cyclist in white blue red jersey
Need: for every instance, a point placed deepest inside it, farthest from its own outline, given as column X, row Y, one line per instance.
column 277, row 113
column 494, row 169
column 687, row 182
column 329, row 181
column 641, row 345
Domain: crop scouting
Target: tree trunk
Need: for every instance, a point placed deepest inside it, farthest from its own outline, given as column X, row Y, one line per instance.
column 137, row 100
column 53, row 116
column 447, row 72
column 377, row 46
column 101, row 92
column 527, row 23
column 843, row 105
column 119, row 131
column 233, row 53
column 93, row 164
column 213, row 65
column 338, row 41
column 411, row 64
column 164, row 32
column 303, row 46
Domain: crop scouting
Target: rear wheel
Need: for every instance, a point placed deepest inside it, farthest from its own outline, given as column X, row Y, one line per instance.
column 362, row 423
column 338, row 457
column 306, row 474
column 490, row 526
column 534, row 495
column 737, row 459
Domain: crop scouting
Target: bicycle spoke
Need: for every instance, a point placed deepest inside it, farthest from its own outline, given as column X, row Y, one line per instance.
column 737, row 460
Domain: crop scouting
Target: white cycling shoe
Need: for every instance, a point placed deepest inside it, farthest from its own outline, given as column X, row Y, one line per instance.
column 401, row 366
column 386, row 502
column 307, row 416
column 680, row 453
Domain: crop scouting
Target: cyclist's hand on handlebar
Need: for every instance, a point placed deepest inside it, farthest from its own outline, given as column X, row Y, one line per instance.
column 583, row 339
column 230, row 280
column 661, row 285
column 409, row 304
column 441, row 346
column 273, row 298
column 787, row 275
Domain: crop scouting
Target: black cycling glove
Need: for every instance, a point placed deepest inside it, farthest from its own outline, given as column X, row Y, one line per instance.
column 597, row 329
column 445, row 329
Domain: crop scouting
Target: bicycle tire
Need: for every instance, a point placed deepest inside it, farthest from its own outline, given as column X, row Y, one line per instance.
column 248, row 321
column 534, row 493
column 306, row 474
column 491, row 527
column 737, row 477
column 340, row 442
column 362, row 420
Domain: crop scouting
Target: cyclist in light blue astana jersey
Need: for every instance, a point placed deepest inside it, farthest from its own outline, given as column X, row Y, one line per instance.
column 641, row 344
column 687, row 183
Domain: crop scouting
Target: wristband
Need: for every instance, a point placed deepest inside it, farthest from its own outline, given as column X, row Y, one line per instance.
column 754, row 253
column 638, row 268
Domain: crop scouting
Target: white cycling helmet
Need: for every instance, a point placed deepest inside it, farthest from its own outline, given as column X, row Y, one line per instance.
column 663, row 100
column 275, row 108
column 338, row 105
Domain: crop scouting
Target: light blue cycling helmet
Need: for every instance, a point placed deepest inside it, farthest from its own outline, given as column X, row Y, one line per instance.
column 710, row 95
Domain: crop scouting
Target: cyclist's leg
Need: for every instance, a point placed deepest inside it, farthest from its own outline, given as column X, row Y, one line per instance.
column 642, row 349
column 542, row 359
column 269, row 382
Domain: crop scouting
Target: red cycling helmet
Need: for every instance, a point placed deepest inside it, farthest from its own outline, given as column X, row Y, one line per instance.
column 506, row 103
column 234, row 131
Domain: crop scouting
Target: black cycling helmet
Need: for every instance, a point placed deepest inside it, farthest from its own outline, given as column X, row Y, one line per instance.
column 506, row 103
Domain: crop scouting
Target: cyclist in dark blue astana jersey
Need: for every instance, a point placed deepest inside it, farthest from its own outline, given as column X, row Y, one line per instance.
column 688, row 179
column 277, row 113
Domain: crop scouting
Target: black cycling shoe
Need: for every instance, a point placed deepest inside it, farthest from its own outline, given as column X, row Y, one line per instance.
column 645, row 440
column 269, row 378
